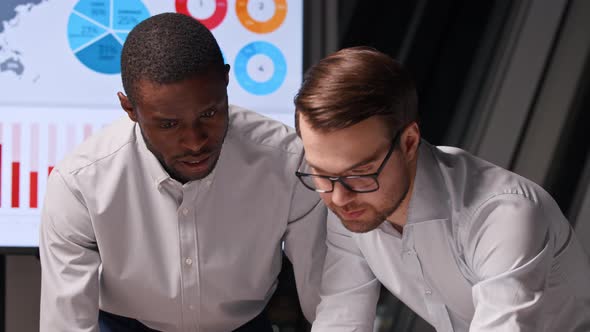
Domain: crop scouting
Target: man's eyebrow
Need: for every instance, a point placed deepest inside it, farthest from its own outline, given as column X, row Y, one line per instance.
column 214, row 104
column 207, row 108
column 363, row 162
column 162, row 118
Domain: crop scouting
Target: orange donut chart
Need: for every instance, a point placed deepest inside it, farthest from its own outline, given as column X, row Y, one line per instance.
column 210, row 22
column 257, row 26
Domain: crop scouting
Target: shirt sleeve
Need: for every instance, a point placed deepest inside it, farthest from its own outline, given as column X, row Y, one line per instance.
column 69, row 261
column 510, row 252
column 349, row 289
column 305, row 246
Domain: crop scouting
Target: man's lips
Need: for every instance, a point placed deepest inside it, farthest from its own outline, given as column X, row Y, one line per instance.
column 195, row 160
column 200, row 157
column 353, row 214
column 196, row 164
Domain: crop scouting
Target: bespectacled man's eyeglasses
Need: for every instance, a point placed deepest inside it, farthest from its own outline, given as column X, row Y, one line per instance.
column 364, row 183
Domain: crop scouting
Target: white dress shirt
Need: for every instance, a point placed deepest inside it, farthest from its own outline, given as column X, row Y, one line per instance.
column 119, row 234
column 483, row 250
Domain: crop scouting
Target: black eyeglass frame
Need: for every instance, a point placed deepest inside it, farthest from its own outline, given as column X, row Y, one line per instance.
column 341, row 179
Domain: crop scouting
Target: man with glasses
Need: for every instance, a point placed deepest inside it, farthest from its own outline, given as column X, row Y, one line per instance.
column 467, row 245
column 176, row 217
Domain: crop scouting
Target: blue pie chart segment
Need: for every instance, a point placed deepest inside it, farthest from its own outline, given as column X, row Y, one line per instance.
column 81, row 31
column 97, row 10
column 127, row 13
column 262, row 52
column 97, row 30
column 103, row 55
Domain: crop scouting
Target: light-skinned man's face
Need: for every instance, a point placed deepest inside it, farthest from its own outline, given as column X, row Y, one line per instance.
column 357, row 150
column 183, row 123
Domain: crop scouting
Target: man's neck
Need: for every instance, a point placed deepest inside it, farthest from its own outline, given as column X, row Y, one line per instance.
column 399, row 217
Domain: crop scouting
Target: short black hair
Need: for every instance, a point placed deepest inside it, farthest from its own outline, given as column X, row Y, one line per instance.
column 168, row 48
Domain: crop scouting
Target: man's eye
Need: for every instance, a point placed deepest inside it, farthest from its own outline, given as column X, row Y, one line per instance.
column 209, row 114
column 168, row 124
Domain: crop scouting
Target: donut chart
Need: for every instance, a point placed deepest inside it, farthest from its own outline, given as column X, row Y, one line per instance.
column 97, row 30
column 260, row 68
column 261, row 16
column 210, row 20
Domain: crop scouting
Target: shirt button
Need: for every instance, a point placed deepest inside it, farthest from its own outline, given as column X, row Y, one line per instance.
column 428, row 292
column 208, row 182
column 185, row 211
column 409, row 252
column 188, row 261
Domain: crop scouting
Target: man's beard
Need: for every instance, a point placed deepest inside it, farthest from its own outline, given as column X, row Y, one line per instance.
column 379, row 216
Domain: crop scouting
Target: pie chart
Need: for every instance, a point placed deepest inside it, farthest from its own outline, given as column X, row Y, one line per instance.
column 209, row 12
column 261, row 16
column 260, row 68
column 97, row 30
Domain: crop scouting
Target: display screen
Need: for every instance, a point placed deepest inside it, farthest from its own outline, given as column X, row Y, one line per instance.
column 60, row 72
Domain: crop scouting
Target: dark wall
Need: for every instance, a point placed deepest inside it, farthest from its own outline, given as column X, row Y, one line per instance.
column 436, row 40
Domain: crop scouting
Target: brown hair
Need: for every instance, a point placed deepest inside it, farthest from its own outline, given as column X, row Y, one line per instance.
column 353, row 85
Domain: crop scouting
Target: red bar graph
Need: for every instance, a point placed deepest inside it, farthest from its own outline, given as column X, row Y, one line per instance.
column 16, row 136
column 29, row 152
column 34, row 178
column 34, row 171
column 15, row 184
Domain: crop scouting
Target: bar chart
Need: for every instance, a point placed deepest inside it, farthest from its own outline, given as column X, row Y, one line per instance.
column 30, row 147
column 21, row 180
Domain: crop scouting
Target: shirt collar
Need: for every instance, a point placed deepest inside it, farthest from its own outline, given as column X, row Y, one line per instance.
column 156, row 171
column 430, row 198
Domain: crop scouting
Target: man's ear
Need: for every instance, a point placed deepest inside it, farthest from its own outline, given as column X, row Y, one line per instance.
column 127, row 106
column 410, row 141
column 227, row 67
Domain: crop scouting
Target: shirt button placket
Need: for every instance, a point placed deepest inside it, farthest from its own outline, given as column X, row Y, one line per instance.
column 189, row 259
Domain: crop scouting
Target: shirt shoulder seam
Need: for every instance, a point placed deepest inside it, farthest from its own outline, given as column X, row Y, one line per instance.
column 78, row 169
column 498, row 194
column 274, row 147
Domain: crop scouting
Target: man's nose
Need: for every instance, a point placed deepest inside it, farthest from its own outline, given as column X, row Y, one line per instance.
column 341, row 196
column 194, row 138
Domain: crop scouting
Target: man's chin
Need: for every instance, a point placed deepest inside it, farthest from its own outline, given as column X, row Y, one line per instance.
column 186, row 172
column 363, row 223
column 360, row 226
